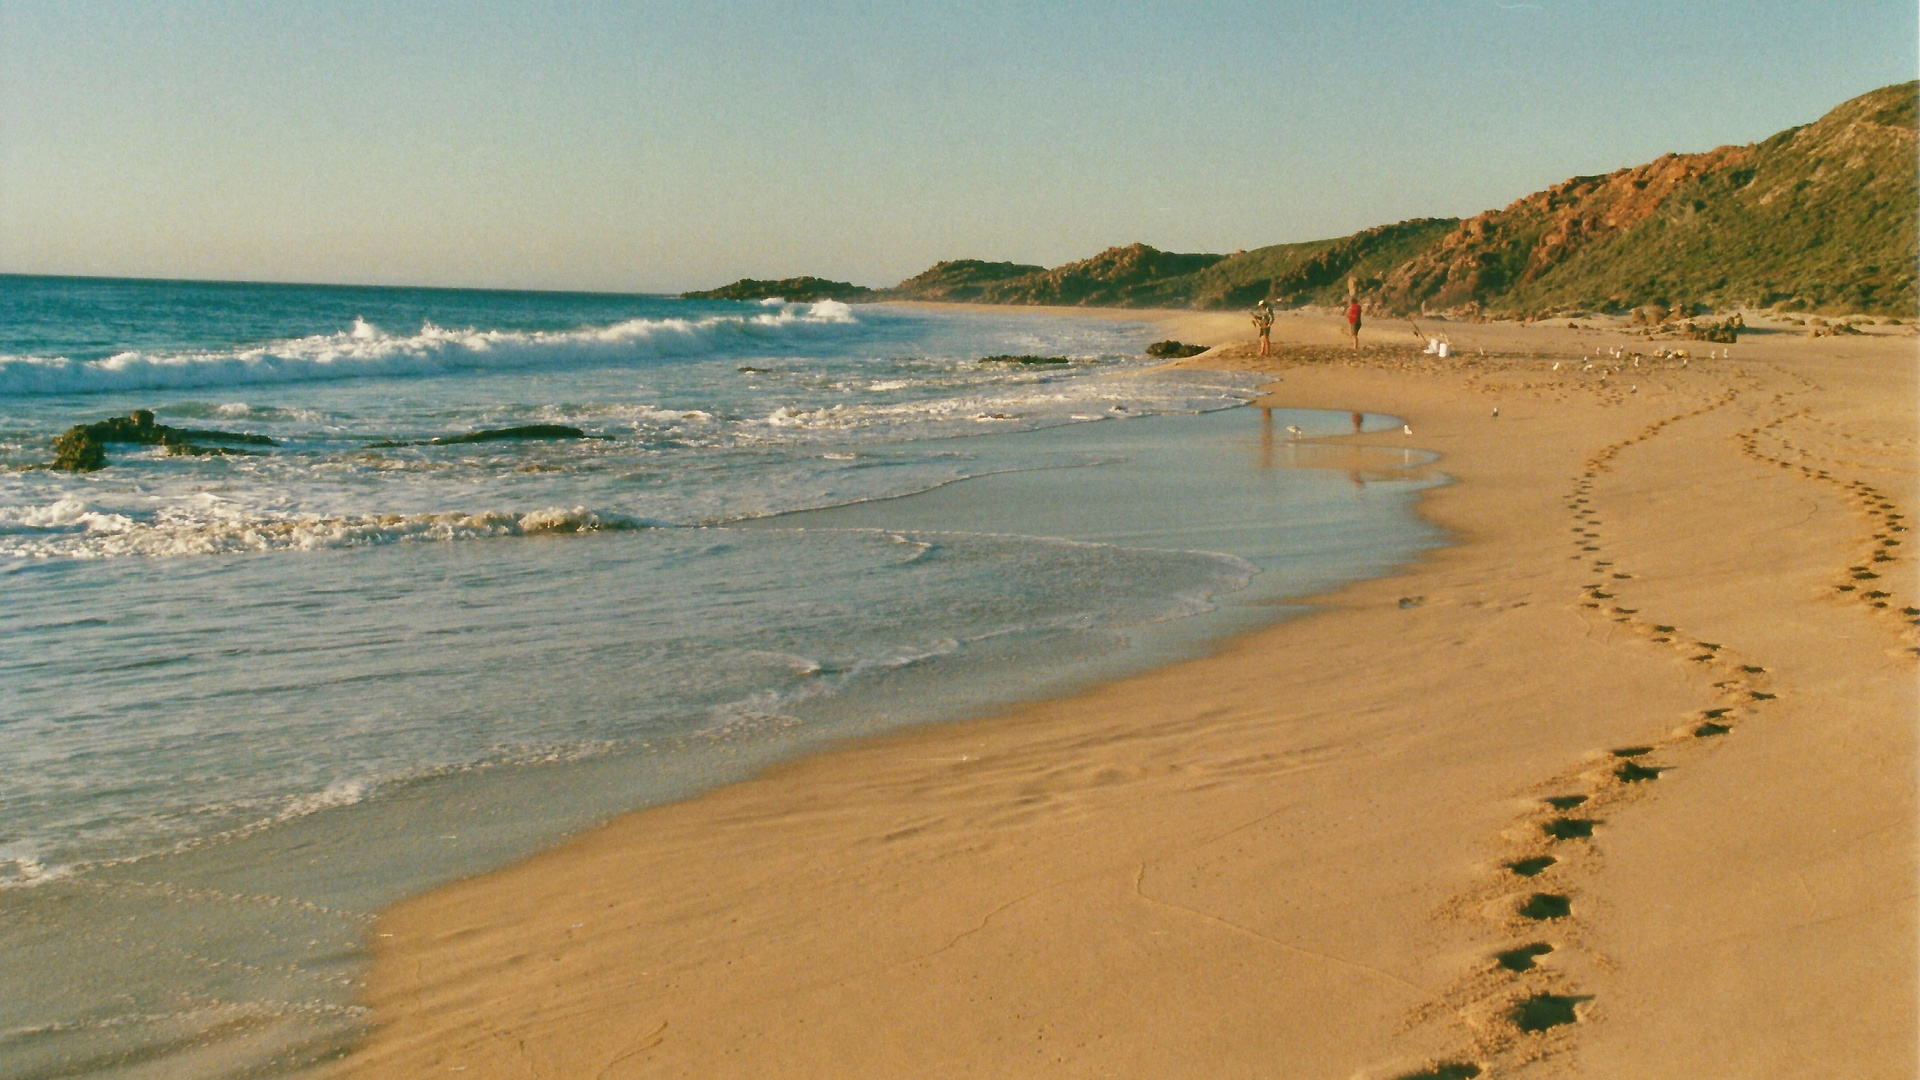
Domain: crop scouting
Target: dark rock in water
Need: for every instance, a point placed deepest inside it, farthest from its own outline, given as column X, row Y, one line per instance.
column 524, row 431
column 183, row 448
column 1025, row 360
column 1174, row 350
column 209, row 435
column 78, row 450
column 81, row 448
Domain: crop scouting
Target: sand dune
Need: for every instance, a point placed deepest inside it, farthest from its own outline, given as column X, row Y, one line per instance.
column 1620, row 784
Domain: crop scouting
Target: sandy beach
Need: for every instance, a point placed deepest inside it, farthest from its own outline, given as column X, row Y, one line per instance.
column 1668, row 667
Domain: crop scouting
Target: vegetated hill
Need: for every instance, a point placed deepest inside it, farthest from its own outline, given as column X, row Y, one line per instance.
column 1131, row 276
column 961, row 279
column 1314, row 272
column 797, row 289
column 1821, row 216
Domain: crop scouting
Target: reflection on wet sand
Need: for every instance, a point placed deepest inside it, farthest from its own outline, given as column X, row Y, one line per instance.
column 1362, row 464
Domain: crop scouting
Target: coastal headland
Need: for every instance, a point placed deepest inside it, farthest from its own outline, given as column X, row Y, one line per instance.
column 1620, row 783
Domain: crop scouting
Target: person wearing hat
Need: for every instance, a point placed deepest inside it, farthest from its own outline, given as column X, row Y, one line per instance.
column 1263, row 325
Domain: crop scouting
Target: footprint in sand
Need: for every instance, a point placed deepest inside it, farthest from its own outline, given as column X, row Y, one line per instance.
column 1570, row 828
column 1521, row 959
column 1542, row 907
column 1543, row 1011
column 1533, row 866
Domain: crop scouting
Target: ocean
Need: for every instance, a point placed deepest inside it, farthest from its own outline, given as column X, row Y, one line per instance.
column 248, row 698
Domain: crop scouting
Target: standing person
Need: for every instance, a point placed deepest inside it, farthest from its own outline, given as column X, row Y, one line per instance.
column 1263, row 325
column 1353, row 320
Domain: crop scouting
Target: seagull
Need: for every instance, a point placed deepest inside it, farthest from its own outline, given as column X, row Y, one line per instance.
column 1635, row 389
column 1496, row 410
column 1556, row 365
column 1406, row 429
column 1294, row 432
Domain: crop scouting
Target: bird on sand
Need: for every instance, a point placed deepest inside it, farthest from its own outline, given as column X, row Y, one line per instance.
column 1496, row 410
column 1294, row 432
column 1406, row 429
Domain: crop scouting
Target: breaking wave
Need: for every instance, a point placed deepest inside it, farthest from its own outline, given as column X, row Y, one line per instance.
column 365, row 350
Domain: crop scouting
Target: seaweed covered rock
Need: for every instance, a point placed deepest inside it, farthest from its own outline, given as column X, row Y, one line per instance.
column 506, row 434
column 1174, row 350
column 82, row 448
column 524, row 431
column 78, row 450
column 1029, row 360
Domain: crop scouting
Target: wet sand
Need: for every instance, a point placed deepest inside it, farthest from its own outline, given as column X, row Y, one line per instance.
column 1672, row 651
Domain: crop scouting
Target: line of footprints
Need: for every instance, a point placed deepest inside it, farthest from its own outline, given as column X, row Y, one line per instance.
column 1514, row 1002
column 1862, row 581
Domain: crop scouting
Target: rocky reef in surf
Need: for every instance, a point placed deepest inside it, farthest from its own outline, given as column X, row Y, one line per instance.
column 83, row 447
column 505, row 434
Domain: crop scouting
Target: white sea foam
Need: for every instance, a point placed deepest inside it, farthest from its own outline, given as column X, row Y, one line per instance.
column 22, row 868
column 68, row 514
column 338, row 793
column 69, row 528
column 366, row 350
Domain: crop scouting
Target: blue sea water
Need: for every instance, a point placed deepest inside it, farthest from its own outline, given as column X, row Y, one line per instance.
column 246, row 700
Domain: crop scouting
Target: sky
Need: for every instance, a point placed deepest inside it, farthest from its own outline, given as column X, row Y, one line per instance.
column 658, row 147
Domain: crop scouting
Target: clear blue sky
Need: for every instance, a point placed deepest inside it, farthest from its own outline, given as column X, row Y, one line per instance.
column 661, row 146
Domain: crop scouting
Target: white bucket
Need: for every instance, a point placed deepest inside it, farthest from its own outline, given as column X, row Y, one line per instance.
column 1445, row 349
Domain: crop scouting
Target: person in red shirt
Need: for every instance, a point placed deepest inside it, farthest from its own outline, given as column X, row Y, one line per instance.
column 1353, row 321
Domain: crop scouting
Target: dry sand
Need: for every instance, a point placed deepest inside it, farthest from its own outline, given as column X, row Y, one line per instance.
column 1290, row 859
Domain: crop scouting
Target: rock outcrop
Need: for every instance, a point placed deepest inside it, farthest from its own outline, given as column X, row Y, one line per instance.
column 1174, row 350
column 82, row 448
column 505, row 434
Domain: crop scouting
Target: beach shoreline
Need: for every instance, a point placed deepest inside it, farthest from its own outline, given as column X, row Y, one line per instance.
column 1289, row 857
